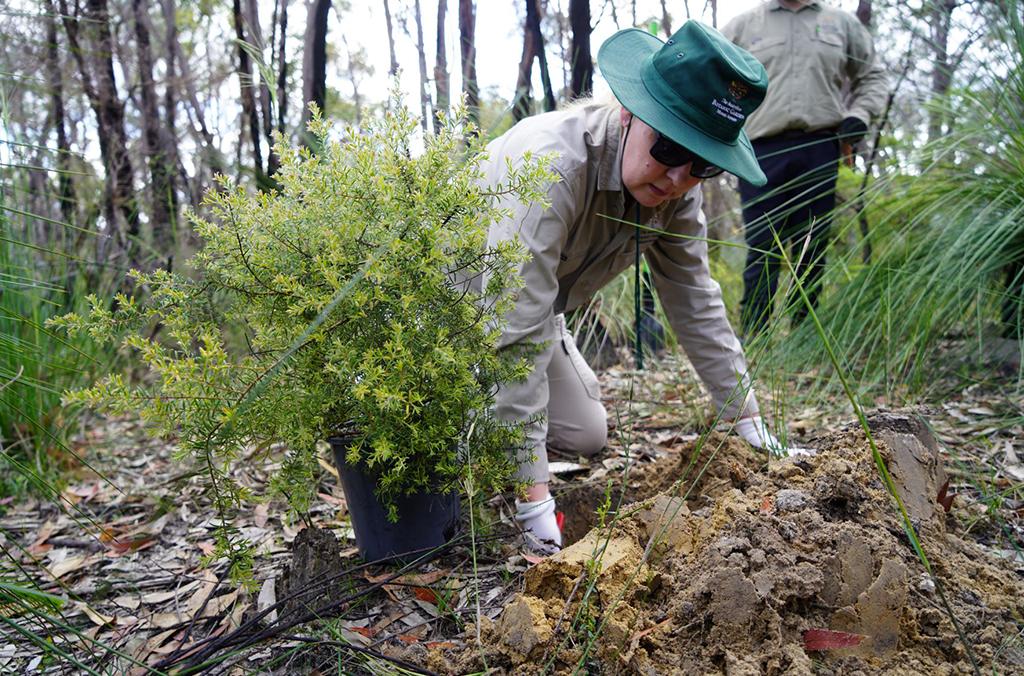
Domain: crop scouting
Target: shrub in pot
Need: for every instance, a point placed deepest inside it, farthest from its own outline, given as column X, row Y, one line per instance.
column 335, row 304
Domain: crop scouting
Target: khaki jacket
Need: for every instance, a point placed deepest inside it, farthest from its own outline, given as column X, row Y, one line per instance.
column 809, row 55
column 579, row 244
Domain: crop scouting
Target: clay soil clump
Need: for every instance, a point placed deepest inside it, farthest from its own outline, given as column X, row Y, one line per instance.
column 739, row 574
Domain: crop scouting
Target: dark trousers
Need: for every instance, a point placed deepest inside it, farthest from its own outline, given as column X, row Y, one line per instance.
column 796, row 204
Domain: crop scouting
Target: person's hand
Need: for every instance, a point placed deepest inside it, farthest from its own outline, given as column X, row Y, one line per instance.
column 851, row 131
column 756, row 433
column 540, row 526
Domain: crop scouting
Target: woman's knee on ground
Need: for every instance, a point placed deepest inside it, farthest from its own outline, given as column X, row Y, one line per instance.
column 586, row 435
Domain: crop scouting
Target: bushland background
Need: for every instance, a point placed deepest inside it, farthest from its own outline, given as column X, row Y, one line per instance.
column 116, row 116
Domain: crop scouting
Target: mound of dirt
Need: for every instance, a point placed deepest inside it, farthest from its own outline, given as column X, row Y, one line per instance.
column 800, row 566
column 699, row 473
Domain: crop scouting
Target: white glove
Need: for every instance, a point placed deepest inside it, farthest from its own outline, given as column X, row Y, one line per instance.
column 756, row 433
column 540, row 526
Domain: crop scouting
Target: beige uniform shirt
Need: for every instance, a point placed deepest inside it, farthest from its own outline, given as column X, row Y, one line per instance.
column 809, row 54
column 579, row 244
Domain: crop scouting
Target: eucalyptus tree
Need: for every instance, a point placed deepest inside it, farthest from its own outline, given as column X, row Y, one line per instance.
column 314, row 56
column 92, row 46
column 467, row 49
column 441, row 82
column 582, row 63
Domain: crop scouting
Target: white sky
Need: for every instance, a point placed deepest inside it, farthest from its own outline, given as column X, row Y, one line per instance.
column 499, row 39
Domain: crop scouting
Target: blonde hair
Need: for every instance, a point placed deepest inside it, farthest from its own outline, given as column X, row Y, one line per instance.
column 603, row 98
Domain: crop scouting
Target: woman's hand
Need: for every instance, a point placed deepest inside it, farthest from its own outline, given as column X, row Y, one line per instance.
column 756, row 433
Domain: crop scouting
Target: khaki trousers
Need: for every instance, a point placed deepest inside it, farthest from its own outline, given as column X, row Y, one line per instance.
column 577, row 420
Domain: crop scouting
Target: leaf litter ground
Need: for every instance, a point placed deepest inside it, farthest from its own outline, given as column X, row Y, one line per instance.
column 718, row 561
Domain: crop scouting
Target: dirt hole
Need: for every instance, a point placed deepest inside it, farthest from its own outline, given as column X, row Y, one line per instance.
column 699, row 471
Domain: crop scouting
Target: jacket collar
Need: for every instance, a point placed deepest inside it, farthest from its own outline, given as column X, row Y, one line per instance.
column 777, row 5
column 609, row 175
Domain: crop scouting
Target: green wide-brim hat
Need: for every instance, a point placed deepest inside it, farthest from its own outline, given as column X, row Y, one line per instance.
column 697, row 88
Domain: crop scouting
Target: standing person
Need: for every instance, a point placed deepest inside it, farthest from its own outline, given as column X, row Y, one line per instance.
column 678, row 119
column 811, row 52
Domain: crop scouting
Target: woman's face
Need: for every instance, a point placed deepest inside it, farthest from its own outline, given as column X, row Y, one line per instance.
column 647, row 180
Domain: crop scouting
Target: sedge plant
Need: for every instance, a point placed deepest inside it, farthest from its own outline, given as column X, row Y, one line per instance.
column 945, row 231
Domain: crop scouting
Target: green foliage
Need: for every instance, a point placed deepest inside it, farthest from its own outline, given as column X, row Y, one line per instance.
column 36, row 364
column 371, row 303
column 14, row 598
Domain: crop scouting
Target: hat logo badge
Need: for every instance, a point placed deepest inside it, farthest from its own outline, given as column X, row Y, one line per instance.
column 737, row 90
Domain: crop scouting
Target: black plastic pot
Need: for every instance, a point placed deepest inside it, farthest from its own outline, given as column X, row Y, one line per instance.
column 425, row 520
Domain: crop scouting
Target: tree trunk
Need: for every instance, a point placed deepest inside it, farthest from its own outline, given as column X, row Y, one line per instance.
column 282, row 68
column 666, row 20
column 252, row 20
column 424, row 96
column 66, row 185
column 250, row 118
column 211, row 153
column 714, row 13
column 864, row 17
column 522, row 102
column 941, row 15
column 467, row 43
column 393, row 68
column 564, row 42
column 533, row 24
column 164, row 203
column 120, row 207
column 111, row 111
column 314, row 57
column 170, row 132
column 353, row 75
column 443, row 100
column 582, row 62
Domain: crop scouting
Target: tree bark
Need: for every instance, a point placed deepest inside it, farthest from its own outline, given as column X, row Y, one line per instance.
column 441, row 83
column 863, row 15
column 252, row 20
column 666, row 19
column 163, row 201
column 314, row 57
column 424, row 96
column 211, row 153
column 353, row 75
column 65, row 182
column 467, row 44
column 120, row 208
column 522, row 102
column 250, row 118
column 170, row 133
column 533, row 24
column 582, row 62
column 393, row 68
column 112, row 113
column 941, row 16
column 282, row 68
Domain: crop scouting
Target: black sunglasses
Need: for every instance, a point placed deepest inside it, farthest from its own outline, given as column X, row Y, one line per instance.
column 671, row 154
